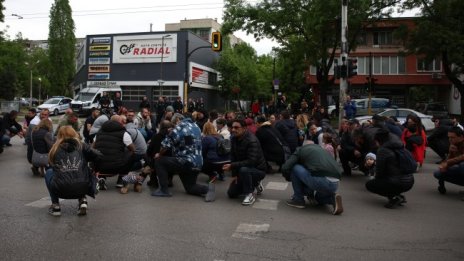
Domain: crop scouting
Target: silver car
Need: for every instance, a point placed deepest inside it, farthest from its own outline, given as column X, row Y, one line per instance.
column 401, row 114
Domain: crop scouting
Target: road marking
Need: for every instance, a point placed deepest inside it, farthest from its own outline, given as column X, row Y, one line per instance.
column 267, row 204
column 41, row 203
column 250, row 231
column 277, row 185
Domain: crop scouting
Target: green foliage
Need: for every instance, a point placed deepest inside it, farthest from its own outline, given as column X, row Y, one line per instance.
column 13, row 71
column 2, row 16
column 61, row 46
column 307, row 30
column 440, row 33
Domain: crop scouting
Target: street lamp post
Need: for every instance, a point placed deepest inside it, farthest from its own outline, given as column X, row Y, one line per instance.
column 31, row 66
column 40, row 87
column 161, row 81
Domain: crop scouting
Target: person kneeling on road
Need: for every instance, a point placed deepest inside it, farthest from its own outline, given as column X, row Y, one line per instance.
column 247, row 164
column 314, row 173
column 185, row 143
column 70, row 177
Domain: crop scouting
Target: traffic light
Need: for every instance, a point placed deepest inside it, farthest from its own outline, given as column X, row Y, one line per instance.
column 216, row 41
column 352, row 67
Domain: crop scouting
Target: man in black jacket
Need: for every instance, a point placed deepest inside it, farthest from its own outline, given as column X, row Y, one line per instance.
column 248, row 165
column 12, row 127
column 112, row 141
column 288, row 130
column 272, row 143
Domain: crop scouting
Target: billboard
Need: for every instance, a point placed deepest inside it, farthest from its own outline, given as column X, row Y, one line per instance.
column 150, row 48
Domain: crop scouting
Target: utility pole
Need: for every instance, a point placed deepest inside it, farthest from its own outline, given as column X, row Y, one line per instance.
column 344, row 61
column 369, row 109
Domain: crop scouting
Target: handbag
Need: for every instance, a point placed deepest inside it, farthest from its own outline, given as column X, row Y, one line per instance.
column 38, row 159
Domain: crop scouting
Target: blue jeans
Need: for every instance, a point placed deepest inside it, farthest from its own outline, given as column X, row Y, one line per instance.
column 6, row 139
column 48, row 181
column 454, row 175
column 304, row 183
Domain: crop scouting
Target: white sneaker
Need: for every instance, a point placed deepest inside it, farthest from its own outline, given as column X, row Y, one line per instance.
column 249, row 199
column 82, row 211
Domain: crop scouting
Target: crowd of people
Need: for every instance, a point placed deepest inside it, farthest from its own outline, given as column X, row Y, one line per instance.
column 77, row 158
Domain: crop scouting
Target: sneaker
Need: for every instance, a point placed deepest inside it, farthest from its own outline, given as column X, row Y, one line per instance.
column 338, row 206
column 119, row 182
column 249, row 199
column 82, row 211
column 101, row 184
column 393, row 202
column 296, row 204
column 259, row 188
column 211, row 195
column 403, row 199
column 54, row 210
column 160, row 193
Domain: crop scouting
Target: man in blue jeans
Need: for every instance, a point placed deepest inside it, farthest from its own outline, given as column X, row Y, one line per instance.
column 452, row 168
column 314, row 173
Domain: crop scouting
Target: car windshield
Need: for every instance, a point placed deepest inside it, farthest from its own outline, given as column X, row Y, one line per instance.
column 85, row 96
column 53, row 101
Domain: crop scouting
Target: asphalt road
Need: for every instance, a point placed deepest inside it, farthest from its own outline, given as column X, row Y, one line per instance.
column 137, row 226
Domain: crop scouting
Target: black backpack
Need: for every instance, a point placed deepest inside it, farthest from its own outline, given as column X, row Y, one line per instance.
column 407, row 163
column 223, row 146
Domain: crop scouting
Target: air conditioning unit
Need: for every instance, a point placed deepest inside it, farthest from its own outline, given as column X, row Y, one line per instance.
column 436, row 76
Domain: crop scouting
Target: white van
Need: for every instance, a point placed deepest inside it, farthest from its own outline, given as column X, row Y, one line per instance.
column 378, row 105
column 88, row 98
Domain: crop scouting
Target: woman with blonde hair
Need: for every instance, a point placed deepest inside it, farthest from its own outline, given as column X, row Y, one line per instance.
column 211, row 159
column 41, row 142
column 302, row 125
column 70, row 176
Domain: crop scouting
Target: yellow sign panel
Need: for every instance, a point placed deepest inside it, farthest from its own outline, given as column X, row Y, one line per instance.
column 100, row 48
column 99, row 68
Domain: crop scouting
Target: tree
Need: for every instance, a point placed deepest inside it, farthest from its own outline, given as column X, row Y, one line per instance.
column 61, row 47
column 2, row 16
column 13, row 71
column 307, row 29
column 244, row 75
column 440, row 33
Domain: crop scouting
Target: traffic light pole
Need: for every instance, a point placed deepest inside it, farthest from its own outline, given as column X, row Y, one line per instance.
column 344, row 61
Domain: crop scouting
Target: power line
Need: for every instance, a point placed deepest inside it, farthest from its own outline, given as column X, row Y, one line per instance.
column 132, row 8
column 133, row 12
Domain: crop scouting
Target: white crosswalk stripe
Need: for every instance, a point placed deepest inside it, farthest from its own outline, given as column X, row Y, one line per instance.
column 250, row 231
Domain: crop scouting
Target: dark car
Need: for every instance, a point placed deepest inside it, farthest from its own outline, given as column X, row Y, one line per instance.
column 436, row 109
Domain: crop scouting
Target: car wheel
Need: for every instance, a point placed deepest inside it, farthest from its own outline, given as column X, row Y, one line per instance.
column 56, row 112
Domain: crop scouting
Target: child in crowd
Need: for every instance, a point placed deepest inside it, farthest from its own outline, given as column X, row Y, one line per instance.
column 328, row 144
column 369, row 162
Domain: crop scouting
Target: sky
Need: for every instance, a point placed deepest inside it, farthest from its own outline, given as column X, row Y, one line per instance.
column 115, row 16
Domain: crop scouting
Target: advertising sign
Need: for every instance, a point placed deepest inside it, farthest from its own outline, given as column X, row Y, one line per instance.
column 99, row 76
column 100, row 48
column 102, row 83
column 100, row 40
column 99, row 68
column 99, row 60
column 150, row 48
column 103, row 53
column 199, row 75
column 80, row 58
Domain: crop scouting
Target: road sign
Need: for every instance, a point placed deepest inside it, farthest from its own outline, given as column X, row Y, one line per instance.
column 276, row 84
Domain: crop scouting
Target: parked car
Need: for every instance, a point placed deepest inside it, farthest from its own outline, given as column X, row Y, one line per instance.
column 56, row 104
column 401, row 114
column 362, row 106
column 436, row 109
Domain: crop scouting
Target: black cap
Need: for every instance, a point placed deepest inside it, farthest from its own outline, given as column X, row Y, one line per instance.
column 377, row 117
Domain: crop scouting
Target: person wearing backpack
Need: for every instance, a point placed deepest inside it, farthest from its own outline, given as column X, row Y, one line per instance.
column 390, row 179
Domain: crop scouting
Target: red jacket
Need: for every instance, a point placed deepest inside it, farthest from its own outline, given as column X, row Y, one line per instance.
column 255, row 107
column 418, row 150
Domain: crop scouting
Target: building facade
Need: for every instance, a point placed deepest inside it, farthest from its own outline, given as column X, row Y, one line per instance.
column 151, row 64
column 381, row 55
